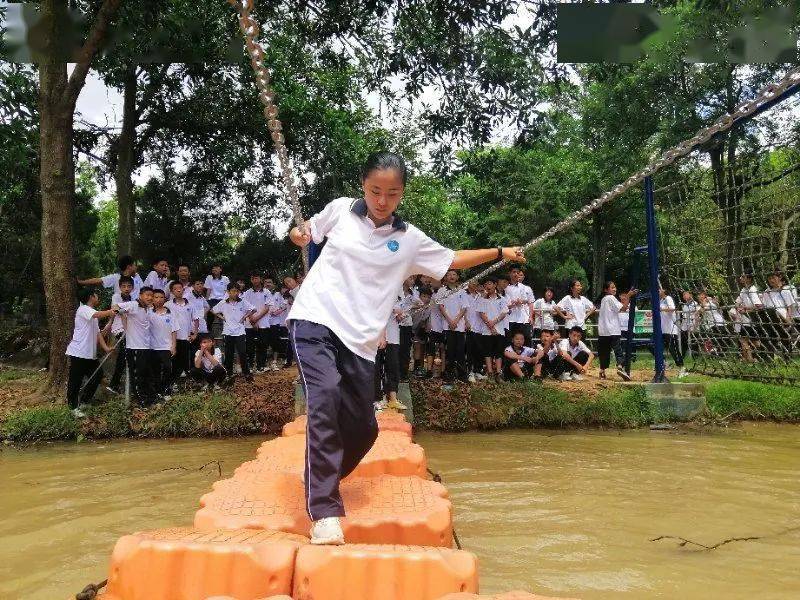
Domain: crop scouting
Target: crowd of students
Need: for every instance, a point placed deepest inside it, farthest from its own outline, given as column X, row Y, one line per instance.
column 497, row 328
column 161, row 329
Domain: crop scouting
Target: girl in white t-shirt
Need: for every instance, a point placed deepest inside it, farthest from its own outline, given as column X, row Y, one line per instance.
column 544, row 309
column 216, row 286
column 338, row 316
column 207, row 363
column 608, row 326
column 576, row 308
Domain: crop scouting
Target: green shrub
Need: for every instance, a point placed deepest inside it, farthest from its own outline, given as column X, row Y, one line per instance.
column 619, row 407
column 110, row 419
column 40, row 423
column 751, row 400
column 195, row 415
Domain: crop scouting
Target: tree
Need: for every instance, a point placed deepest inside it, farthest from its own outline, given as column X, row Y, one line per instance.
column 58, row 94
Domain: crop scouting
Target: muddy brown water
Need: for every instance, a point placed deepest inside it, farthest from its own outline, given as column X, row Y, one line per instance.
column 564, row 513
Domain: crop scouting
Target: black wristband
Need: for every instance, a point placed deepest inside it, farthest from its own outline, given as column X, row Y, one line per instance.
column 499, row 252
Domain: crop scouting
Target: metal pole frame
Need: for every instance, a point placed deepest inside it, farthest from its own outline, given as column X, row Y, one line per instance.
column 659, row 376
column 629, row 334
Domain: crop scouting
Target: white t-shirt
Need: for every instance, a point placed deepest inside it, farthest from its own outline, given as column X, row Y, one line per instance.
column 493, row 308
column 155, row 281
column 748, row 298
column 233, row 313
column 669, row 320
column 476, row 324
column 183, row 313
column 608, row 317
column 623, row 321
column 579, row 307
column 408, row 302
column 543, row 319
column 688, row 316
column 84, row 334
column 573, row 351
column 551, row 354
column 712, row 316
column 112, row 281
column 274, row 299
column 454, row 304
column 782, row 300
column 162, row 326
column 521, row 313
column 526, row 351
column 353, row 284
column 279, row 310
column 437, row 320
column 258, row 300
column 137, row 325
column 206, row 363
column 393, row 327
column 199, row 309
column 217, row 288
column 118, row 325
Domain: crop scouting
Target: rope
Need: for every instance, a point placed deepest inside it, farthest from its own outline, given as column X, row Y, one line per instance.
column 100, row 366
column 250, row 30
column 438, row 479
column 90, row 591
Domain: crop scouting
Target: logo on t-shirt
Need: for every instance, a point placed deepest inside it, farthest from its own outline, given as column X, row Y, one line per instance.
column 393, row 245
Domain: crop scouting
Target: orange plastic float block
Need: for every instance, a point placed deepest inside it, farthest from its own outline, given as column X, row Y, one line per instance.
column 186, row 564
column 387, row 421
column 515, row 595
column 380, row 510
column 392, row 454
column 373, row 572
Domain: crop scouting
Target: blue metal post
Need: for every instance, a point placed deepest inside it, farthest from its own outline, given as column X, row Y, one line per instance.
column 655, row 297
column 637, row 259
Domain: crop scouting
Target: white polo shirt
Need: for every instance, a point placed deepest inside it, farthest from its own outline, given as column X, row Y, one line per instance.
column 206, row 363
column 454, row 304
column 234, row 313
column 184, row 314
column 162, row 326
column 279, row 310
column 155, row 281
column 669, row 321
column 393, row 326
column 748, row 298
column 525, row 351
column 514, row 293
column 688, row 316
column 217, row 288
column 579, row 307
column 493, row 308
column 543, row 318
column 118, row 325
column 258, row 300
column 476, row 324
column 137, row 325
column 353, row 284
column 112, row 281
column 712, row 316
column 573, row 351
column 782, row 300
column 84, row 335
column 199, row 307
column 608, row 318
column 437, row 320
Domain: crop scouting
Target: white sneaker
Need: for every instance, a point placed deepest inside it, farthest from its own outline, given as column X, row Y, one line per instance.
column 683, row 373
column 327, row 531
column 622, row 373
column 380, row 405
column 577, row 377
column 565, row 377
column 481, row 377
column 78, row 413
column 167, row 398
column 274, row 366
column 471, row 378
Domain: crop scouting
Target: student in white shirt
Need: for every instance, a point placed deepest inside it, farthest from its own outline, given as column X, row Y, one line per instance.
column 669, row 328
column 200, row 307
column 387, row 363
column 275, row 336
column 258, row 324
column 437, row 326
column 118, row 331
column 454, row 317
column 234, row 311
column 280, row 308
column 474, row 329
column 779, row 306
column 337, row 318
column 407, row 304
column 183, row 275
column 519, row 358
column 158, row 278
column 543, row 311
column 216, row 285
column 520, row 299
column 574, row 357
column 689, row 315
column 712, row 321
column 608, row 328
column 127, row 267
column 207, row 363
column 163, row 343
column 186, row 317
column 424, row 349
column 546, row 355
column 747, row 304
column 137, row 343
column 575, row 308
column 82, row 351
column 493, row 311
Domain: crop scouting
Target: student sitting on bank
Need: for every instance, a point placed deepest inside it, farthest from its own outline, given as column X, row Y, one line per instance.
column 82, row 351
column 518, row 358
column 207, row 364
column 546, row 355
column 575, row 358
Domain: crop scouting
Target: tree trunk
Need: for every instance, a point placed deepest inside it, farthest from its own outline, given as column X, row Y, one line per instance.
column 123, row 172
column 57, row 180
column 600, row 247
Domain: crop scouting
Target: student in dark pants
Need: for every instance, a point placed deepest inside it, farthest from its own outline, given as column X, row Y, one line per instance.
column 454, row 314
column 82, row 351
column 184, row 314
column 336, row 335
column 207, row 363
column 137, row 341
column 233, row 311
column 163, row 344
column 118, row 330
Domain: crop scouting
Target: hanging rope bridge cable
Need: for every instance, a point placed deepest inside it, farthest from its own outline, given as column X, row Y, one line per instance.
column 438, row 479
column 250, row 30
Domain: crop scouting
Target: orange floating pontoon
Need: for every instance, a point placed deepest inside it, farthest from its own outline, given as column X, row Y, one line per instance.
column 515, row 595
column 182, row 563
column 384, row 509
column 387, row 421
column 367, row 572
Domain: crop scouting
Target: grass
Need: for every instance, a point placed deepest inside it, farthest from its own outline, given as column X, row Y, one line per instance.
column 40, row 423
column 12, row 374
